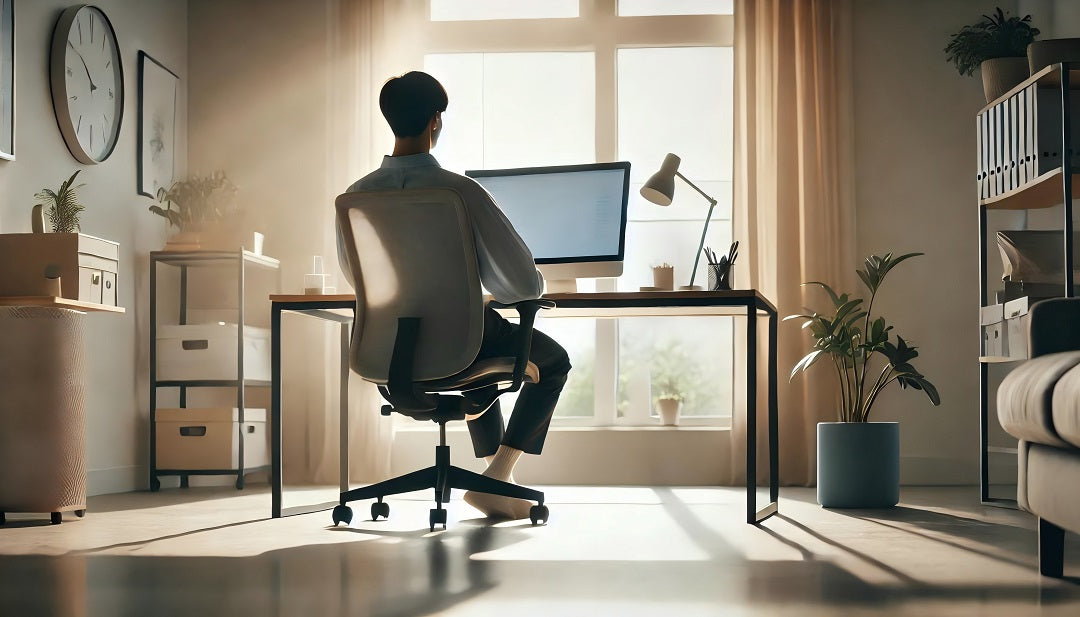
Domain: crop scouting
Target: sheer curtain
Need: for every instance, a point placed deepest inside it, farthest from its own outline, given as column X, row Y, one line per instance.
column 367, row 42
column 794, row 198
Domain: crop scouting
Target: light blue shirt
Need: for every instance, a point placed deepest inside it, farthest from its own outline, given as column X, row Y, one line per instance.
column 507, row 269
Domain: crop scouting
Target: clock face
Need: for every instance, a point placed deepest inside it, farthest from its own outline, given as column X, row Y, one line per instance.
column 87, row 83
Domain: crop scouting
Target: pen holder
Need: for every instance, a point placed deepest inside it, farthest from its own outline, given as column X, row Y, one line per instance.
column 719, row 277
column 663, row 277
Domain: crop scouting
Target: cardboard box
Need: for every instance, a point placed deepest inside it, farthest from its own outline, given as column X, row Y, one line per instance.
column 995, row 342
column 1017, row 318
column 209, row 438
column 88, row 266
column 208, row 352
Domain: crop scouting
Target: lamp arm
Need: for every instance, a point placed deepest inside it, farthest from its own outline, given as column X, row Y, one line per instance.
column 695, row 187
column 701, row 244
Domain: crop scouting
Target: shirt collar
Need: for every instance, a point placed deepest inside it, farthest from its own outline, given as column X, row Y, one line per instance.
column 406, row 162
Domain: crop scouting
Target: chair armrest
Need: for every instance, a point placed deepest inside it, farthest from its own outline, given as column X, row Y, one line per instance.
column 526, row 310
column 1053, row 326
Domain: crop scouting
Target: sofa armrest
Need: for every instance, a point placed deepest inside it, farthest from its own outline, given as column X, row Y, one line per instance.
column 1054, row 327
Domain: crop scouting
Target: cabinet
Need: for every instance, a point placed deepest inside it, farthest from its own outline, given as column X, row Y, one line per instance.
column 1026, row 162
column 237, row 370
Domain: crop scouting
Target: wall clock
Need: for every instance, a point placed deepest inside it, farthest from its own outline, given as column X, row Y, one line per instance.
column 87, row 79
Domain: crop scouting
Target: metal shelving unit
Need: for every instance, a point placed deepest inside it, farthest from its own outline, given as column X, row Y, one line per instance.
column 1052, row 188
column 241, row 260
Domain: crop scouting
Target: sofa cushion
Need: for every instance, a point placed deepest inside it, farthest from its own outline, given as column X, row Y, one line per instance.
column 1067, row 406
column 1026, row 394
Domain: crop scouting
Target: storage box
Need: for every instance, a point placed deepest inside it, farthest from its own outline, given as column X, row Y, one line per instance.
column 209, row 438
column 208, row 352
column 995, row 341
column 88, row 266
column 1016, row 320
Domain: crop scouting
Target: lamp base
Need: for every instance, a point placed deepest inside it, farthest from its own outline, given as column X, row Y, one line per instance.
column 689, row 287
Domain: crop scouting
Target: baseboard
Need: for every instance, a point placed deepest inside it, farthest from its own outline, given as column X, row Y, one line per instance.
column 954, row 471
column 116, row 480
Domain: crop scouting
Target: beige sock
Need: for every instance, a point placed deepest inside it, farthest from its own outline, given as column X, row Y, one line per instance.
column 500, row 467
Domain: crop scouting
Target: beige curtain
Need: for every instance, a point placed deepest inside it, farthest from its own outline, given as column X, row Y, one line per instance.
column 363, row 48
column 793, row 208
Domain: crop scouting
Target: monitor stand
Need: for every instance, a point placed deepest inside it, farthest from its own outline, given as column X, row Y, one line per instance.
column 561, row 286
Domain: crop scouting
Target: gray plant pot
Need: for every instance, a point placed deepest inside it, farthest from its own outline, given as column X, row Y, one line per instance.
column 999, row 75
column 858, row 464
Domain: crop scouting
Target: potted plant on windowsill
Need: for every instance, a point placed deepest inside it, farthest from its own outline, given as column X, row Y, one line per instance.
column 859, row 460
column 204, row 211
column 997, row 46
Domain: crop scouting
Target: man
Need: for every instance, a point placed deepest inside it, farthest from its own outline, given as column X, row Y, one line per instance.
column 413, row 104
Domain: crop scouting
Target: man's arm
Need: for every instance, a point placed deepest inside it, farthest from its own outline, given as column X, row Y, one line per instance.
column 506, row 264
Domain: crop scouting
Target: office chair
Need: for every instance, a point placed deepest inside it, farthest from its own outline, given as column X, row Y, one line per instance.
column 418, row 327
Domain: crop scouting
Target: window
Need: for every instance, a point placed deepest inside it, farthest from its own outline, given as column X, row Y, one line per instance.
column 564, row 82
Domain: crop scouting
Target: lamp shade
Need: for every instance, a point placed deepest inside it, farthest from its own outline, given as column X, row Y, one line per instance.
column 660, row 188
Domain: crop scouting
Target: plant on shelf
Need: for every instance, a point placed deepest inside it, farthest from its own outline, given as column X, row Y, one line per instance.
column 993, row 38
column 197, row 201
column 61, row 206
column 854, row 340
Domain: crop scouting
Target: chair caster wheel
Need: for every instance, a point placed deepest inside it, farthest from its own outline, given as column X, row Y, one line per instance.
column 437, row 517
column 80, row 513
column 155, row 484
column 342, row 514
column 380, row 508
column 56, row 518
column 537, row 514
column 239, row 483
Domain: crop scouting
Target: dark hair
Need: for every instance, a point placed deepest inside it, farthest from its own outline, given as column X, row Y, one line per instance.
column 410, row 102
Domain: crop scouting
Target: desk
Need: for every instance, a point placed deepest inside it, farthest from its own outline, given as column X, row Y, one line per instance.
column 748, row 303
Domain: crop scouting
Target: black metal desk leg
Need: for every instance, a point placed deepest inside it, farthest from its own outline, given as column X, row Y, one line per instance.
column 343, row 423
column 751, row 413
column 774, row 415
column 275, row 410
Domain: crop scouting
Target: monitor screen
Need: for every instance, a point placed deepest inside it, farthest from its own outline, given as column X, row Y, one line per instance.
column 567, row 213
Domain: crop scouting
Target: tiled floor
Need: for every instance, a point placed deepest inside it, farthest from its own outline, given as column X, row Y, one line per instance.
column 606, row 551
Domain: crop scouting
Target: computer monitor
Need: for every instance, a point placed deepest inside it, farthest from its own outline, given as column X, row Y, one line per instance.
column 572, row 217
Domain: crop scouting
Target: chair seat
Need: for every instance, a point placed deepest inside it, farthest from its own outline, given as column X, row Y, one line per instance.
column 481, row 373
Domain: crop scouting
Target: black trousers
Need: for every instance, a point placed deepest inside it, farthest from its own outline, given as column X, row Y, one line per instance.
column 529, row 422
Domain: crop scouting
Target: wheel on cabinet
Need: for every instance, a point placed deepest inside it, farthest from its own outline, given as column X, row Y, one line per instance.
column 80, row 513
column 342, row 514
column 155, row 484
column 239, row 483
column 537, row 514
column 380, row 508
column 437, row 517
column 56, row 518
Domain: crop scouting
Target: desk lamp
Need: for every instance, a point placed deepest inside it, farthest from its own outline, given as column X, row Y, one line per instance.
column 660, row 188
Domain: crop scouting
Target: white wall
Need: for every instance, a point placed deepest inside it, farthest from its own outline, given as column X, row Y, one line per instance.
column 117, row 395
column 915, row 169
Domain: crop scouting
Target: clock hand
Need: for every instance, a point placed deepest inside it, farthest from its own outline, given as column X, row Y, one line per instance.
column 92, row 86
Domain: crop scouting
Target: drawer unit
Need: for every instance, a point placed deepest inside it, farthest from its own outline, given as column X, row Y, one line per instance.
column 88, row 266
column 209, row 438
column 995, row 337
column 208, row 352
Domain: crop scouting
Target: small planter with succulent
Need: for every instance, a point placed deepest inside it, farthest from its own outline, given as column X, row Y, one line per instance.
column 60, row 207
column 859, row 460
column 997, row 46
column 668, row 401
column 203, row 209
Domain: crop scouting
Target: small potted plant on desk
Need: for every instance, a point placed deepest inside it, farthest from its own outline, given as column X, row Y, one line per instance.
column 204, row 211
column 859, row 460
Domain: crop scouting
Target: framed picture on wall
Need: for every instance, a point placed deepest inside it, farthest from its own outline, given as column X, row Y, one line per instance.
column 7, row 79
column 158, row 88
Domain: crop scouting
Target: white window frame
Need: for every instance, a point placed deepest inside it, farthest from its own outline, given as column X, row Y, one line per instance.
column 600, row 30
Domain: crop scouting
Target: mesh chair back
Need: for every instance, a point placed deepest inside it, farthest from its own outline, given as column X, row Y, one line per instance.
column 412, row 254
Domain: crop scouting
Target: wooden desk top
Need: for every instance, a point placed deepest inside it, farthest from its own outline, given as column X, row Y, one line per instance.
column 64, row 303
column 643, row 299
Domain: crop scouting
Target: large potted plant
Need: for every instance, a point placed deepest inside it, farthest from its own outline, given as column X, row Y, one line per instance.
column 997, row 46
column 202, row 208
column 859, row 460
